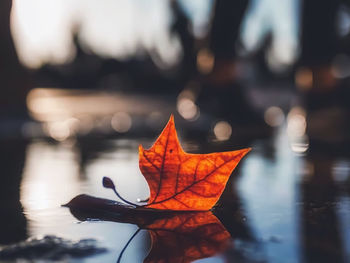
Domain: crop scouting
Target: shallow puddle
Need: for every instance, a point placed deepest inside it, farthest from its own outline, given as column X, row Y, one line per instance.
column 279, row 205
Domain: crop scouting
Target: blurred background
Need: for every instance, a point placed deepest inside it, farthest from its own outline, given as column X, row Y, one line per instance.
column 82, row 83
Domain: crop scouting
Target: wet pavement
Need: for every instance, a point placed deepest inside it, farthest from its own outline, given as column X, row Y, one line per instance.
column 282, row 204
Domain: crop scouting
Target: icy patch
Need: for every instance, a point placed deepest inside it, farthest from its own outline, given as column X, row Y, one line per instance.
column 50, row 248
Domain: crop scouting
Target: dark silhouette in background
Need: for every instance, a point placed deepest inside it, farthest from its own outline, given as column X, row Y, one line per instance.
column 182, row 28
column 14, row 86
column 13, row 77
column 224, row 35
column 223, row 94
column 326, row 100
column 326, row 94
column 319, row 39
column 90, row 71
column 319, row 45
column 12, row 220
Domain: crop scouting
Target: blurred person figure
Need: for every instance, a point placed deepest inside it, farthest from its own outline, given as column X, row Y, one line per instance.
column 325, row 95
column 319, row 46
column 222, row 95
column 182, row 26
column 226, row 25
column 327, row 115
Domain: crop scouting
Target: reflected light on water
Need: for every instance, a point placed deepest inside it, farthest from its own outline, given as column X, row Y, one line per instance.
column 274, row 116
column 49, row 180
column 52, row 177
column 62, row 130
column 42, row 103
column 222, row 131
column 37, row 196
column 66, row 113
column 269, row 200
column 56, row 105
column 341, row 171
column 48, row 104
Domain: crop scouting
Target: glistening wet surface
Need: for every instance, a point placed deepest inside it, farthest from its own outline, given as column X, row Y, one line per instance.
column 279, row 206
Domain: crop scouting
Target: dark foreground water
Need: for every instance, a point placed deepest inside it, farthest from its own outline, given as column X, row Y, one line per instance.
column 282, row 205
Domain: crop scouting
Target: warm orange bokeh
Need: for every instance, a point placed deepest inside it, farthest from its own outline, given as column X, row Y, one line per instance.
column 186, row 237
column 184, row 181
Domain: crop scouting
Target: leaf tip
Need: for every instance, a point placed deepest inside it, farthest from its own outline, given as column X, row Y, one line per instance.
column 140, row 149
column 247, row 150
column 171, row 119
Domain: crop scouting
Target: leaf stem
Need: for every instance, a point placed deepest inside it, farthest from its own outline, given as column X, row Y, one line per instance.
column 126, row 201
column 127, row 244
column 108, row 183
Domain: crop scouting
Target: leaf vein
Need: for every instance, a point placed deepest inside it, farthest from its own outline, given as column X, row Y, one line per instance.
column 189, row 186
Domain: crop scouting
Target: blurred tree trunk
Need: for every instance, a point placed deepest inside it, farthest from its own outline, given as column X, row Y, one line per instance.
column 13, row 88
column 183, row 28
column 228, row 16
column 13, row 78
column 13, row 223
column 225, row 29
column 319, row 38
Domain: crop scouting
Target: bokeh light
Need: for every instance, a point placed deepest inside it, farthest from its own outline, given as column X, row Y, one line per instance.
column 222, row 130
column 274, row 116
column 186, row 105
column 205, row 61
column 304, row 78
column 296, row 125
column 121, row 122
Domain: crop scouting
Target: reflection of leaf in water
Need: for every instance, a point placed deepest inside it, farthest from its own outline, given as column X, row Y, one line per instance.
column 176, row 236
column 186, row 237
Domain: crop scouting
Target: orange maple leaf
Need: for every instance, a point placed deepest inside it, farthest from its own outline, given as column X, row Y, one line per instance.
column 184, row 181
